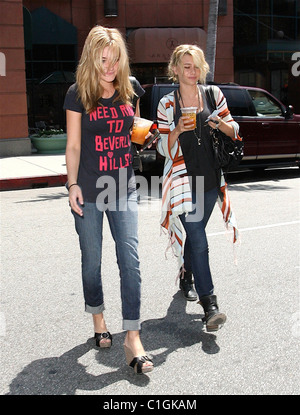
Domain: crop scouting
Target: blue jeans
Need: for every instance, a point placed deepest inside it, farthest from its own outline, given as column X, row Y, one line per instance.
column 124, row 229
column 196, row 246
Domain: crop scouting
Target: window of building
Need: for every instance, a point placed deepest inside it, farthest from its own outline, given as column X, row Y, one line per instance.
column 51, row 59
column 258, row 21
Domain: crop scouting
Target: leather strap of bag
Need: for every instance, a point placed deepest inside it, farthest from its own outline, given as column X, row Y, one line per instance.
column 211, row 99
column 210, row 95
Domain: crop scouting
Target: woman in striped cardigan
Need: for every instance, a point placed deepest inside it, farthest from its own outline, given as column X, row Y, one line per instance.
column 191, row 186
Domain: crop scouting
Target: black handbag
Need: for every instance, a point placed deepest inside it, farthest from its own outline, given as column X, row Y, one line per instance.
column 136, row 154
column 228, row 153
column 136, row 159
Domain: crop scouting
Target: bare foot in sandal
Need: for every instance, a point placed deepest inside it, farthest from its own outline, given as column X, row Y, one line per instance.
column 135, row 353
column 102, row 336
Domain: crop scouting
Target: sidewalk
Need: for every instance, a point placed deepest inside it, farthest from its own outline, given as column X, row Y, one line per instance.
column 36, row 170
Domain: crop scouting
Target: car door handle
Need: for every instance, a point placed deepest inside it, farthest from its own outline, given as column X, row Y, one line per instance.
column 265, row 125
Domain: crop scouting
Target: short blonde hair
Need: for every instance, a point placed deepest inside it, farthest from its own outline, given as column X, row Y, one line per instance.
column 198, row 58
column 90, row 67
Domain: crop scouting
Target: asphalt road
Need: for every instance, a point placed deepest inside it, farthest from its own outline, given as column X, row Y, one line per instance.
column 46, row 337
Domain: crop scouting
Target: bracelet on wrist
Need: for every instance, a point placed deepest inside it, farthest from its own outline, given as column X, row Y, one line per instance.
column 73, row 184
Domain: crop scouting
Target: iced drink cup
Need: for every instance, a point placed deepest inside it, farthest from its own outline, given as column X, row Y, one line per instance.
column 140, row 129
column 190, row 112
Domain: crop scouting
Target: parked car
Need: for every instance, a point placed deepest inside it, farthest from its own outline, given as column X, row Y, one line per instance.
column 271, row 130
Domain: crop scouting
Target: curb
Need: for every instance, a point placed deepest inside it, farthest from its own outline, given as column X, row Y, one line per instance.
column 32, row 182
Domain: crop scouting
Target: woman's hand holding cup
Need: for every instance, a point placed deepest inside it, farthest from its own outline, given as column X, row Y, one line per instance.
column 189, row 118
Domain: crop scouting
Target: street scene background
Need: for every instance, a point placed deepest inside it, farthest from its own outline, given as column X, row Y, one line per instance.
column 46, row 337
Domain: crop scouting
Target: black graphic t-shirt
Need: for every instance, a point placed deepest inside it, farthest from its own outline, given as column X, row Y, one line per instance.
column 105, row 146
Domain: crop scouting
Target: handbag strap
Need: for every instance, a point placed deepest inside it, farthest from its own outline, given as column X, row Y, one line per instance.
column 209, row 93
column 210, row 96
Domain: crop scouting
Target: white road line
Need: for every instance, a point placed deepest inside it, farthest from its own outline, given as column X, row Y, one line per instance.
column 256, row 228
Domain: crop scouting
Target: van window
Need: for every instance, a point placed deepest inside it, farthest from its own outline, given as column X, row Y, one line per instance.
column 264, row 104
column 237, row 102
column 153, row 94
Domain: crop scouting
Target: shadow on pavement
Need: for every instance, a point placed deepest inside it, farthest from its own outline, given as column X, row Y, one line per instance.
column 65, row 375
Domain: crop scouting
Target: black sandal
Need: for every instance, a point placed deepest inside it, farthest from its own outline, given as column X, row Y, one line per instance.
column 137, row 363
column 100, row 336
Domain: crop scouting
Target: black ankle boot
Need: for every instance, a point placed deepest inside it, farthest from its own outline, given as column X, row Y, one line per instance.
column 186, row 285
column 213, row 318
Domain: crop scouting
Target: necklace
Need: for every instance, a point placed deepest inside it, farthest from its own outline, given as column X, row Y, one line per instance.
column 198, row 136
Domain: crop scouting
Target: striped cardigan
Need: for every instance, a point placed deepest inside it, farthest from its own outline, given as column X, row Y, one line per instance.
column 176, row 192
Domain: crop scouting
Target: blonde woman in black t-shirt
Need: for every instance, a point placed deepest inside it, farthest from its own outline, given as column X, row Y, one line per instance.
column 100, row 179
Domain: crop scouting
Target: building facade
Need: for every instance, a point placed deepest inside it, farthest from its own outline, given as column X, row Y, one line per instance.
column 41, row 41
column 267, row 47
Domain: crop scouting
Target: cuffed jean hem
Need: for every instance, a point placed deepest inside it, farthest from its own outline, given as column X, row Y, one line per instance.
column 131, row 325
column 94, row 310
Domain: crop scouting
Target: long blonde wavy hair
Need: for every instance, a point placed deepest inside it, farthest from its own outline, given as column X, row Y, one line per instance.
column 90, row 67
column 198, row 57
